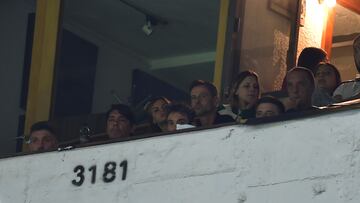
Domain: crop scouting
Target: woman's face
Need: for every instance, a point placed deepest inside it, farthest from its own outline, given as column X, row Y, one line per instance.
column 248, row 91
column 158, row 111
column 326, row 78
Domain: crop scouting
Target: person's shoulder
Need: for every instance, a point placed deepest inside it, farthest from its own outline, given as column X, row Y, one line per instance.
column 350, row 82
column 225, row 118
column 311, row 108
column 99, row 138
column 248, row 113
column 344, row 86
column 227, row 111
column 321, row 97
column 347, row 89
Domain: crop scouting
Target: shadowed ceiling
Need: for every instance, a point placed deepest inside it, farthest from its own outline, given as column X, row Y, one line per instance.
column 191, row 29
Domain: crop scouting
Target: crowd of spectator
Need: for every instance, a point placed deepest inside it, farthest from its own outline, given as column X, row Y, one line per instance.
column 313, row 83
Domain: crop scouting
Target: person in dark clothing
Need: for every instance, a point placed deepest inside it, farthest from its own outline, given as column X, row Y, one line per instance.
column 204, row 101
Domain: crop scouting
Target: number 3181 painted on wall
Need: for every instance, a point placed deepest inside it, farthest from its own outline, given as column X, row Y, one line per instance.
column 108, row 176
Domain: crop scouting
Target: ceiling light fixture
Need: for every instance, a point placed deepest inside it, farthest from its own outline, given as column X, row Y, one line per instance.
column 149, row 23
column 151, row 19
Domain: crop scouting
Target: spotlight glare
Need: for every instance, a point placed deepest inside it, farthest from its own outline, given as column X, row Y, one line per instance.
column 328, row 3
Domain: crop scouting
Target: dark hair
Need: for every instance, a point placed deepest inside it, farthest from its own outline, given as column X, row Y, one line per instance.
column 152, row 100
column 307, row 72
column 234, row 100
column 208, row 85
column 333, row 67
column 182, row 109
column 356, row 46
column 271, row 100
column 42, row 125
column 123, row 110
column 147, row 108
column 310, row 57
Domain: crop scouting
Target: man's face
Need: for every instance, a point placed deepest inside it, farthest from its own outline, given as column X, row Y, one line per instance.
column 299, row 88
column 176, row 118
column 118, row 125
column 202, row 101
column 42, row 140
column 267, row 110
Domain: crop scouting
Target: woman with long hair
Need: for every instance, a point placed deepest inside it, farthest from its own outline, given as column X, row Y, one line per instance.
column 156, row 110
column 245, row 92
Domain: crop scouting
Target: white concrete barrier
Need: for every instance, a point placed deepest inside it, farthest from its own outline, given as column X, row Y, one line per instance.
column 305, row 160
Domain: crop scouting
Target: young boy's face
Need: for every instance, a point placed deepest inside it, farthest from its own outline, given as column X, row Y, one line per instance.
column 176, row 118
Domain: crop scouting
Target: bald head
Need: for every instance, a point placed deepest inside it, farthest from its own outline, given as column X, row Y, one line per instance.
column 300, row 87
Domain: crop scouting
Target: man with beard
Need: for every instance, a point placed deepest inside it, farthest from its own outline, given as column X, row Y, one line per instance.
column 204, row 101
column 120, row 121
